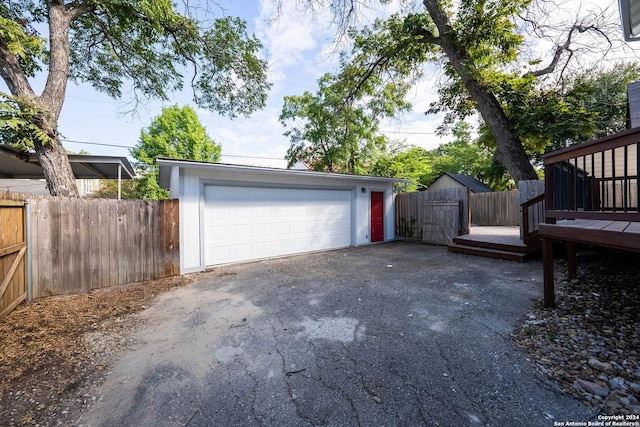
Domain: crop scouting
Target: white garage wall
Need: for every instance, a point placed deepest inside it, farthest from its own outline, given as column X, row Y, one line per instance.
column 190, row 191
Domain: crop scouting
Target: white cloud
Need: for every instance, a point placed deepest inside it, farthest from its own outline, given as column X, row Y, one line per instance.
column 291, row 36
column 257, row 140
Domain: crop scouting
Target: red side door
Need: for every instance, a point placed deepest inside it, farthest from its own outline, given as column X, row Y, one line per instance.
column 377, row 216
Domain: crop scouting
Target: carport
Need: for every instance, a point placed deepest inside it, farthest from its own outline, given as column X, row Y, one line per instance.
column 232, row 213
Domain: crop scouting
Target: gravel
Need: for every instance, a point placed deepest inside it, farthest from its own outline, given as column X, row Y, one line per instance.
column 589, row 344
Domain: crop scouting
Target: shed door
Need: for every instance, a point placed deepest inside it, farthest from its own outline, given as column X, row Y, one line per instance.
column 377, row 216
column 247, row 223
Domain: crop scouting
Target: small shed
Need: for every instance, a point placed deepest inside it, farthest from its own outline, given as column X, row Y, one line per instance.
column 453, row 180
column 233, row 213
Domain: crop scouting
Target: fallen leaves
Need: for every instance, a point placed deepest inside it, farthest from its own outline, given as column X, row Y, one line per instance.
column 51, row 348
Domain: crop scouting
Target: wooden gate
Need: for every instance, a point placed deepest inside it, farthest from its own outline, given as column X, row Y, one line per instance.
column 446, row 215
column 441, row 222
column 13, row 247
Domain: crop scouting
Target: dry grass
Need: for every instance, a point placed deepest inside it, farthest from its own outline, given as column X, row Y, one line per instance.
column 54, row 347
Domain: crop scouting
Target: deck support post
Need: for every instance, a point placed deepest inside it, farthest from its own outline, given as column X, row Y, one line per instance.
column 547, row 275
column 571, row 260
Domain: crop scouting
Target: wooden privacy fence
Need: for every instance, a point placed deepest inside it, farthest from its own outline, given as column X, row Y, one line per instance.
column 498, row 208
column 13, row 246
column 433, row 216
column 79, row 244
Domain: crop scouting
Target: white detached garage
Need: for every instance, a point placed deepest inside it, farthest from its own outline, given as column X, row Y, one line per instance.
column 232, row 213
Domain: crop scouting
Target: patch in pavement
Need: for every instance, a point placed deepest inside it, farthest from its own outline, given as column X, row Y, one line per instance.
column 342, row 329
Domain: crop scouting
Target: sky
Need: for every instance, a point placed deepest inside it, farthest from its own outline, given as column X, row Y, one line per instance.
column 299, row 50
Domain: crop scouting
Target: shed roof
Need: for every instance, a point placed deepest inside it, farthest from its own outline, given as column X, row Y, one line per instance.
column 165, row 165
column 470, row 182
column 18, row 164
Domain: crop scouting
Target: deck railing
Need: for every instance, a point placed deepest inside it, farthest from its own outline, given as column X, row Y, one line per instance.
column 532, row 215
column 595, row 180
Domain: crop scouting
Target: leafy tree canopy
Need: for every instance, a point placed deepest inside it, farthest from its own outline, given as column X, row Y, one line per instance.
column 148, row 48
column 337, row 133
column 591, row 104
column 483, row 48
column 412, row 162
column 175, row 133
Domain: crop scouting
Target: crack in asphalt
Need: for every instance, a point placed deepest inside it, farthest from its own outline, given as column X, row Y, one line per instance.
column 288, row 385
column 476, row 405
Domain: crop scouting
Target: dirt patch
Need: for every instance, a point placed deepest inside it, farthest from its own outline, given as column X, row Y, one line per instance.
column 54, row 348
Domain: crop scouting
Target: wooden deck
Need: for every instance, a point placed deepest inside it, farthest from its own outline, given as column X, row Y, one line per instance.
column 617, row 234
column 623, row 235
column 493, row 242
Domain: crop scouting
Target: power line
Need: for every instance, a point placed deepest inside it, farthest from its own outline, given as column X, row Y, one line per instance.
column 408, row 133
column 417, row 133
column 126, row 146
column 96, row 143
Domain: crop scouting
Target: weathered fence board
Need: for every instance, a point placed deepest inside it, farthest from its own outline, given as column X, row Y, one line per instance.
column 13, row 247
column 409, row 214
column 410, row 211
column 441, row 222
column 80, row 244
column 498, row 208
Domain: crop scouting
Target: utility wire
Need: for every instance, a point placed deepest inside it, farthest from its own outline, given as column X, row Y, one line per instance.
column 129, row 147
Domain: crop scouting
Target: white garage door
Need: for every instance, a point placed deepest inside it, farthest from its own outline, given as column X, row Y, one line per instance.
column 245, row 223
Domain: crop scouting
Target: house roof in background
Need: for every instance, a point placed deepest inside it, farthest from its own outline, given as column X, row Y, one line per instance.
column 25, row 186
column 470, row 182
column 20, row 165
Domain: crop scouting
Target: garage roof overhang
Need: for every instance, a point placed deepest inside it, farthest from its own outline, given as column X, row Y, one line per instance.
column 20, row 165
column 166, row 164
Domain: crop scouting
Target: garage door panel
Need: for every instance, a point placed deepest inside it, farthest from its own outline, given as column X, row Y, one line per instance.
column 244, row 223
column 282, row 228
column 263, row 230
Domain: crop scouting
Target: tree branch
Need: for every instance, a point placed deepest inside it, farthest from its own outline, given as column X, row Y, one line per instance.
column 428, row 37
column 566, row 47
column 13, row 75
column 76, row 9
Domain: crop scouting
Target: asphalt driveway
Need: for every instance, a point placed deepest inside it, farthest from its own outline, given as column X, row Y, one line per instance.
column 391, row 334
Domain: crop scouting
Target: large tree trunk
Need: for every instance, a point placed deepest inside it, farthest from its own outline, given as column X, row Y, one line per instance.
column 57, row 169
column 52, row 156
column 509, row 149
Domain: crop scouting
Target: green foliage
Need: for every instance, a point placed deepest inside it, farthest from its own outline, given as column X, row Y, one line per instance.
column 487, row 30
column 146, row 48
column 21, row 40
column 461, row 156
column 602, row 92
column 148, row 187
column 590, row 105
column 176, row 133
column 333, row 132
column 18, row 118
column 151, row 44
column 109, row 189
column 414, row 163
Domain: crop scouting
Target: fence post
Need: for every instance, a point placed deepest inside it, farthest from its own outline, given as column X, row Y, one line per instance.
column 27, row 206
